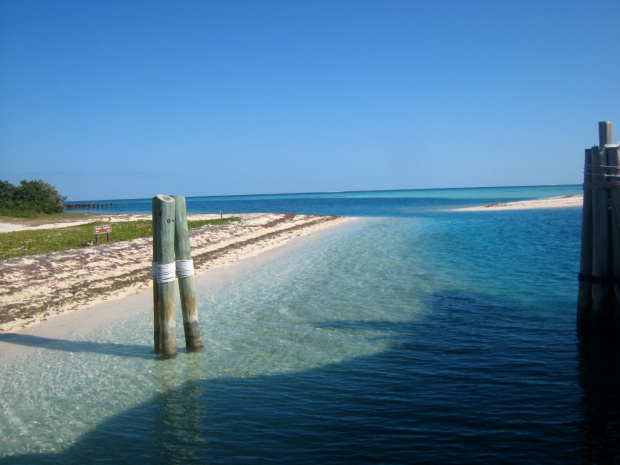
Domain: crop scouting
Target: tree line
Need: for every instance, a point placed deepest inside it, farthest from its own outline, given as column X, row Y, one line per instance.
column 32, row 197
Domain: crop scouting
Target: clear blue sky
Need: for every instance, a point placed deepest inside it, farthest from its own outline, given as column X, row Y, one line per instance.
column 129, row 99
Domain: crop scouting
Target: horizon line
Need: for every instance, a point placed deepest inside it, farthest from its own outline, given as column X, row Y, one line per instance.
column 328, row 192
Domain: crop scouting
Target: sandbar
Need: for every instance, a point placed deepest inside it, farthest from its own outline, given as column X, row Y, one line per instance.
column 550, row 202
column 37, row 287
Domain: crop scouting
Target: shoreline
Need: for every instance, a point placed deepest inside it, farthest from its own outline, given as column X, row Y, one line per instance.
column 566, row 201
column 38, row 287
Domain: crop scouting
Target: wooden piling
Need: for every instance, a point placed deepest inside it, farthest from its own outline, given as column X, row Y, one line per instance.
column 584, row 301
column 156, row 305
column 613, row 160
column 186, row 283
column 605, row 133
column 599, row 278
column 164, row 231
column 600, row 240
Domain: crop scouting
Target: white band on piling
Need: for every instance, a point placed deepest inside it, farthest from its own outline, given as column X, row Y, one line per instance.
column 185, row 268
column 163, row 273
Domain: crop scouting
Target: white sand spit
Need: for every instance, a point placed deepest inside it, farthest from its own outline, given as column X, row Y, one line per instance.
column 551, row 202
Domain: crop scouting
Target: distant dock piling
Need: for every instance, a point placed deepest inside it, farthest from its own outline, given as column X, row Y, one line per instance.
column 89, row 206
column 172, row 259
column 598, row 306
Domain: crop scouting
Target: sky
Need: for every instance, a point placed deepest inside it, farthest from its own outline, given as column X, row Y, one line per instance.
column 121, row 99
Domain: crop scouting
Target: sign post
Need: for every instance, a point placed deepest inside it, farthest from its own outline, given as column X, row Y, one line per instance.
column 105, row 229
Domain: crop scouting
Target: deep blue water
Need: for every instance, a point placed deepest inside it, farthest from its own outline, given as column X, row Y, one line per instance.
column 417, row 336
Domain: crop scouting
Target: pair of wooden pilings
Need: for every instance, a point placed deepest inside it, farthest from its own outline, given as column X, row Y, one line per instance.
column 598, row 306
column 172, row 257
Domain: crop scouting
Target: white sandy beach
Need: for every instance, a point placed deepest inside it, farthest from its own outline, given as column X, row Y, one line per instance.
column 37, row 287
column 551, row 202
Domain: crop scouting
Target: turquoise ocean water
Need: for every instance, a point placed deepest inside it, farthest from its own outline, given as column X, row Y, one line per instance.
column 413, row 335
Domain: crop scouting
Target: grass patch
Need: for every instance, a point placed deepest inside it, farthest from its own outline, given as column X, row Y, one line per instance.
column 25, row 214
column 19, row 213
column 20, row 243
column 36, row 219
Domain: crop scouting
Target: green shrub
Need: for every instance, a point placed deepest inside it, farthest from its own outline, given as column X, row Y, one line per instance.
column 29, row 198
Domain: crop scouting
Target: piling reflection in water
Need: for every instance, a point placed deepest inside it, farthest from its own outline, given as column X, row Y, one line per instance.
column 179, row 414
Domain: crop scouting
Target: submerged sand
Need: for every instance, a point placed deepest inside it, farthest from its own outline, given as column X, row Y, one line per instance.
column 550, row 202
column 37, row 287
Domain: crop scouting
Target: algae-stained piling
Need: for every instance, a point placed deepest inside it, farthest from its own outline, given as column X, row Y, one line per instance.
column 185, row 274
column 164, row 272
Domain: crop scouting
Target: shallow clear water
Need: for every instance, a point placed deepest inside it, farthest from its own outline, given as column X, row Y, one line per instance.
column 431, row 337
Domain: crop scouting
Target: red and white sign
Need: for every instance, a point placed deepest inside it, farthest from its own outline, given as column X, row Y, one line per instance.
column 106, row 228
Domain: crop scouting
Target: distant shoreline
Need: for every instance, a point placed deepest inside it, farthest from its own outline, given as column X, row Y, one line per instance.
column 550, row 202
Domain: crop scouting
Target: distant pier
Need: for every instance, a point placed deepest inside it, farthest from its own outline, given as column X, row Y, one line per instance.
column 90, row 206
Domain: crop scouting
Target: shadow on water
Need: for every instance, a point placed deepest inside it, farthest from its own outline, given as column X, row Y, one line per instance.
column 471, row 383
column 120, row 350
column 599, row 368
